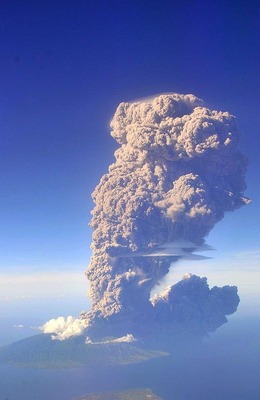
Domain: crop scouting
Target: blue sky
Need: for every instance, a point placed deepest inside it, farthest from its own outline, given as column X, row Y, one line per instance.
column 64, row 69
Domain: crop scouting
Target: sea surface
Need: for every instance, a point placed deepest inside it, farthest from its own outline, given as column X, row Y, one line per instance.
column 225, row 366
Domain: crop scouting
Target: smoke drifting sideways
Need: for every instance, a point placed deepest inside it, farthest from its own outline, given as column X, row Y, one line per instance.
column 177, row 171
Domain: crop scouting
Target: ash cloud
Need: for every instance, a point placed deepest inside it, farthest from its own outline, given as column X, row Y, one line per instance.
column 191, row 306
column 176, row 172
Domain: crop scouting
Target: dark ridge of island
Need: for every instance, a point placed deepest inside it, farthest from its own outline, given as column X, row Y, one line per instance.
column 40, row 351
column 138, row 394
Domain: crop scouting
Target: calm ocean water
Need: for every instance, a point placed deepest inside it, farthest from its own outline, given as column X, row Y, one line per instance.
column 226, row 366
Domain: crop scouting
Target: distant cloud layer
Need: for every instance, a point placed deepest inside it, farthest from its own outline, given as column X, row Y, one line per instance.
column 176, row 172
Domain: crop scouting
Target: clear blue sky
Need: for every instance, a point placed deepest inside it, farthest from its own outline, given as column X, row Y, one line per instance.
column 65, row 66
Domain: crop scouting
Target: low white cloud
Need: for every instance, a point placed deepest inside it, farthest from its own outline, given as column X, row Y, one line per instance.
column 252, row 254
column 20, row 326
column 11, row 298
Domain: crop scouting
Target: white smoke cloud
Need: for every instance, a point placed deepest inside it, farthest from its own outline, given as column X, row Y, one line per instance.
column 64, row 328
column 128, row 338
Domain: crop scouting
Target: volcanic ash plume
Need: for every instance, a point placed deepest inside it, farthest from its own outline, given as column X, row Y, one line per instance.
column 176, row 172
